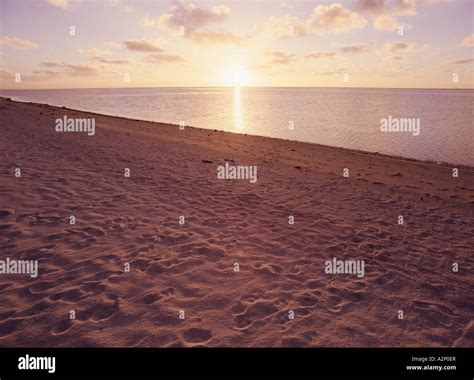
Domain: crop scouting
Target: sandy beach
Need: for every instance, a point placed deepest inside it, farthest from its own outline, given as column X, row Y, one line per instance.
column 183, row 288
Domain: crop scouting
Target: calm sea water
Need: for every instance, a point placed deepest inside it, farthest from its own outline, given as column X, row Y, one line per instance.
column 349, row 118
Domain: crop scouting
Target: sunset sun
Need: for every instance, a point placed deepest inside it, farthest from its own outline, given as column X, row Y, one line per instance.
column 236, row 76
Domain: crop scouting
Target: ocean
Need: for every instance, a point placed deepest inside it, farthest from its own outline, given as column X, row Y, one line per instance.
column 342, row 117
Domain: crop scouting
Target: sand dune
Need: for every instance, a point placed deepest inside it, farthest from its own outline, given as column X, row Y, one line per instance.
column 190, row 267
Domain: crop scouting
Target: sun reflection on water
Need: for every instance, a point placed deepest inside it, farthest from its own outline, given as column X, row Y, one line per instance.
column 238, row 111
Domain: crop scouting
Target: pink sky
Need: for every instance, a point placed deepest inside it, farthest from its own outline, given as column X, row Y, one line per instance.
column 118, row 43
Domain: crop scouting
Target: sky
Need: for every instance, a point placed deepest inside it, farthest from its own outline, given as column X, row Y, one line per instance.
column 142, row 43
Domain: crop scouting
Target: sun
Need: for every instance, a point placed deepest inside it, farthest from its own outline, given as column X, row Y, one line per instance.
column 236, row 76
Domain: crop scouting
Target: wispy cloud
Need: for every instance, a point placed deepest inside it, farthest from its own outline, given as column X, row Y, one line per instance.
column 461, row 61
column 280, row 57
column 403, row 46
column 333, row 72
column 71, row 69
column 93, row 52
column 216, row 37
column 142, row 45
column 164, row 58
column 468, row 41
column 394, row 58
column 18, row 43
column 64, row 4
column 357, row 48
column 405, row 7
column 323, row 55
column 112, row 61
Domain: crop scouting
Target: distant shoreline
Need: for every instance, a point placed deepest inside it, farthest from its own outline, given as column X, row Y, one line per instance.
column 356, row 151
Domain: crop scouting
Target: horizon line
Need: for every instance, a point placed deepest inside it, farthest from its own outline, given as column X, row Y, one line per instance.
column 321, row 87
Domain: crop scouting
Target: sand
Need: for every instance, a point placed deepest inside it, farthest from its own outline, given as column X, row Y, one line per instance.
column 189, row 270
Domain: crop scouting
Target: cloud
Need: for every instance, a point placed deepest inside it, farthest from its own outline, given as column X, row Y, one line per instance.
column 164, row 58
column 210, row 36
column 112, row 61
column 385, row 13
column 461, row 61
column 379, row 7
column 356, row 48
column 52, row 63
column 64, row 4
column 18, row 43
column 81, row 70
column 73, row 70
column 432, row 2
column 333, row 72
column 92, row 52
column 468, row 41
column 323, row 55
column 372, row 6
column 405, row 7
column 99, row 55
column 280, row 57
column 4, row 74
column 386, row 22
column 334, row 18
column 190, row 16
column 142, row 45
column 117, row 4
column 46, row 74
column 394, row 58
column 285, row 7
column 113, row 45
column 403, row 46
column 191, row 21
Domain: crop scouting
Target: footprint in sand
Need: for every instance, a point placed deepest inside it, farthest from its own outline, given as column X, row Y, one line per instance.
column 294, row 342
column 35, row 309
column 196, row 335
column 4, row 286
column 95, row 231
column 255, row 312
column 61, row 327
column 6, row 314
column 151, row 298
column 167, row 292
column 93, row 287
column 98, row 312
column 104, row 311
column 68, row 295
column 41, row 286
column 434, row 313
column 9, row 326
column 6, row 212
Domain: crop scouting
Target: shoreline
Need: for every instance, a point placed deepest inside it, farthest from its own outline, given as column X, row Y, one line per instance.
column 149, row 259
column 355, row 151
